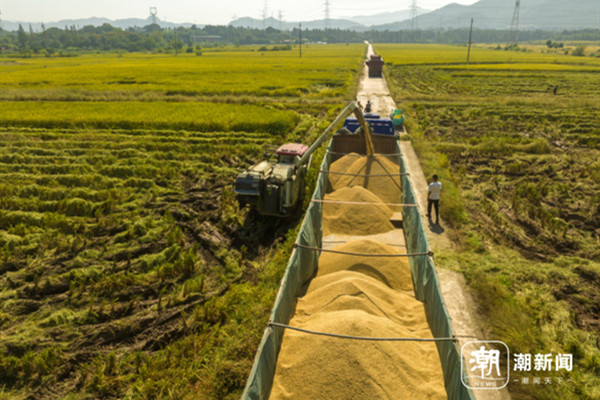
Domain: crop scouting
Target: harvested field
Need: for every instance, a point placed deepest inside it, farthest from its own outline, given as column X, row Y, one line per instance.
column 127, row 268
column 519, row 165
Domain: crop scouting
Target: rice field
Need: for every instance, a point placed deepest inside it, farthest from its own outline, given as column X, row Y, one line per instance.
column 323, row 71
column 505, row 82
column 195, row 116
column 526, row 67
column 127, row 268
column 407, row 54
column 519, row 164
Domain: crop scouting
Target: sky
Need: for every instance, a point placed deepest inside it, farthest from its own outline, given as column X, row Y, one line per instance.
column 203, row 11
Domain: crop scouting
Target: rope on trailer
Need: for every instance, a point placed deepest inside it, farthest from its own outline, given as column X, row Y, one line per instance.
column 377, row 339
column 346, row 241
column 363, row 203
column 345, row 173
column 298, row 245
column 365, row 155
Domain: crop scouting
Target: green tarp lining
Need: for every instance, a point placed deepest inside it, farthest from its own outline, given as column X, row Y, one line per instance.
column 427, row 289
column 302, row 267
column 298, row 272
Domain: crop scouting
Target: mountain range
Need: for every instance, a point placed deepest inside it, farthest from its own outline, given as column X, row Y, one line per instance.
column 498, row 14
column 487, row 14
column 357, row 23
column 94, row 21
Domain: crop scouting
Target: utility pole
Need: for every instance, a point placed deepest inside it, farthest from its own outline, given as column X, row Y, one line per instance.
column 470, row 33
column 327, row 22
column 514, row 25
column 300, row 38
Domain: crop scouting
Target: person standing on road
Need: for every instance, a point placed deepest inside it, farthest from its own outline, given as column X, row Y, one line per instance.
column 433, row 198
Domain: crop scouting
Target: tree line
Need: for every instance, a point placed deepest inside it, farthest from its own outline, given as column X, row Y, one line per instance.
column 154, row 38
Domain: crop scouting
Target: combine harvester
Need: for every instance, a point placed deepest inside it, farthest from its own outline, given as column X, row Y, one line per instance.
column 275, row 186
column 359, row 313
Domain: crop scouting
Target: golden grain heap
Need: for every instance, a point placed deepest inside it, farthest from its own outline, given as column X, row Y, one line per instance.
column 378, row 174
column 358, row 295
column 348, row 217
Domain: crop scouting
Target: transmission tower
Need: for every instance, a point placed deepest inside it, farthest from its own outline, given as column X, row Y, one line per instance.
column 153, row 12
column 413, row 15
column 280, row 19
column 327, row 22
column 264, row 15
column 514, row 25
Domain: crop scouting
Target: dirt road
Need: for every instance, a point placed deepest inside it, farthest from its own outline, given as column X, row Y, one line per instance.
column 459, row 302
column 376, row 91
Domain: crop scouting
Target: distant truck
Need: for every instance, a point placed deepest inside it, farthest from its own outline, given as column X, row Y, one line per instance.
column 375, row 64
column 379, row 125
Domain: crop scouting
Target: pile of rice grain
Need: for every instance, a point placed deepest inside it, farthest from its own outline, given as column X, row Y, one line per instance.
column 322, row 368
column 346, row 290
column 359, row 295
column 359, row 298
column 393, row 272
column 355, row 219
column 384, row 181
